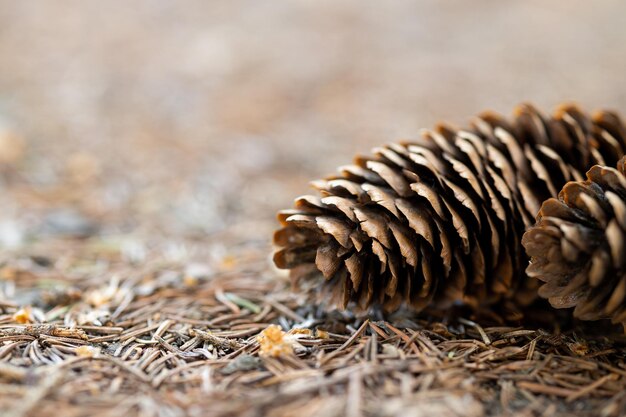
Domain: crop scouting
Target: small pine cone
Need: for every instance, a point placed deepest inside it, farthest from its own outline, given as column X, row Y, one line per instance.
column 439, row 220
column 578, row 246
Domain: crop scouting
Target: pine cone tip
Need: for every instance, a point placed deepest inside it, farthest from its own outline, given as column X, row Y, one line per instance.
column 578, row 246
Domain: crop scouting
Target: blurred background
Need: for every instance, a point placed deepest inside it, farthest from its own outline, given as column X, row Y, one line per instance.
column 197, row 118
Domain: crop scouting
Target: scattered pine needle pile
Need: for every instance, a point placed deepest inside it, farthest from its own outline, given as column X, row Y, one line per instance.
column 90, row 330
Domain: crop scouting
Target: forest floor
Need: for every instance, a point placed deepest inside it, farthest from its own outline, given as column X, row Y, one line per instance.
column 144, row 152
column 103, row 326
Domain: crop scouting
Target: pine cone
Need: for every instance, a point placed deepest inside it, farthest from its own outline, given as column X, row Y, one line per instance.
column 578, row 246
column 439, row 220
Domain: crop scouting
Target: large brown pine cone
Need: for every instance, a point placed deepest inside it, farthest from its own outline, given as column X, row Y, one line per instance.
column 578, row 246
column 439, row 220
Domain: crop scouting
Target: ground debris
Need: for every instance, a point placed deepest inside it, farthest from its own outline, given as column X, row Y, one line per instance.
column 274, row 342
column 241, row 340
column 221, row 342
column 45, row 330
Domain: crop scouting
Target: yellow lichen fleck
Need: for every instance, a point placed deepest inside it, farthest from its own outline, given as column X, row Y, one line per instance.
column 24, row 315
column 273, row 342
column 228, row 262
column 580, row 349
column 301, row 332
column 190, row 281
column 87, row 351
column 321, row 334
column 8, row 273
column 107, row 295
